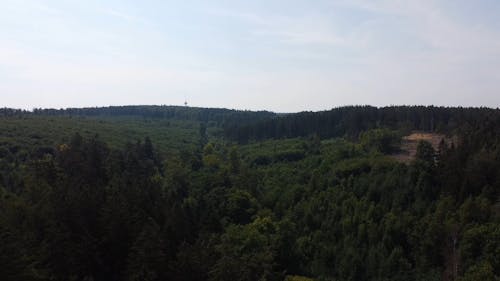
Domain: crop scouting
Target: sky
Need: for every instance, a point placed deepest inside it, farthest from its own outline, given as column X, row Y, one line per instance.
column 283, row 56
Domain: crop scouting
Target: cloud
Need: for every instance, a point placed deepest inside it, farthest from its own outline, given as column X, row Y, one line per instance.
column 302, row 30
column 125, row 16
column 433, row 24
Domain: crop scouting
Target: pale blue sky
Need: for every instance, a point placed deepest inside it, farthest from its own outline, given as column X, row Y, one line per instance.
column 277, row 55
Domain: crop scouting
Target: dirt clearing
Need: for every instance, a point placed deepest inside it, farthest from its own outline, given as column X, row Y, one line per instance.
column 409, row 144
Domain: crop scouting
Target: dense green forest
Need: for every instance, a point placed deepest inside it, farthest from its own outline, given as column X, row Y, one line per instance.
column 178, row 193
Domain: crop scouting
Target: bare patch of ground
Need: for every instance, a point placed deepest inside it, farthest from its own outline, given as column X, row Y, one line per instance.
column 409, row 144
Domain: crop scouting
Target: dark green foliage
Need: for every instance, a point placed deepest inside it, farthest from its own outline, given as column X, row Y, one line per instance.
column 352, row 120
column 425, row 152
column 247, row 252
column 187, row 204
column 146, row 259
column 15, row 263
column 382, row 140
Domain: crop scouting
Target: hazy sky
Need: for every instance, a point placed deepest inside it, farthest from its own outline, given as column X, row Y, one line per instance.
column 283, row 56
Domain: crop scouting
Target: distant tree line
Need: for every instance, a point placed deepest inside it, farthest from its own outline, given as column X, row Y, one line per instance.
column 244, row 126
column 351, row 120
column 217, row 115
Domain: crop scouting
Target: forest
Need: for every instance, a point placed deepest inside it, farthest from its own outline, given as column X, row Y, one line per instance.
column 180, row 193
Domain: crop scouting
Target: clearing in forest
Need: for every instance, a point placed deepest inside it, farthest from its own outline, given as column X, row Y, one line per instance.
column 409, row 144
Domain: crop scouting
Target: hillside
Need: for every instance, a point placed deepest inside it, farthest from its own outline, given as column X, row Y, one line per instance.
column 171, row 128
column 351, row 121
column 179, row 193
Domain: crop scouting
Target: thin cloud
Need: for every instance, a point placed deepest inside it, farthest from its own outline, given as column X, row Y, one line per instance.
column 124, row 16
column 294, row 30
